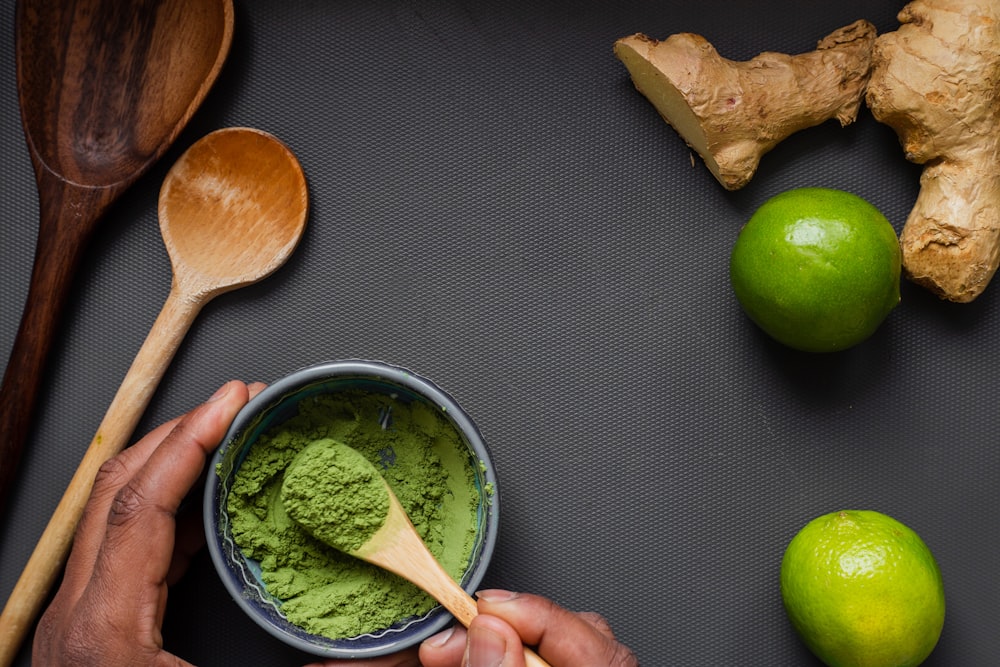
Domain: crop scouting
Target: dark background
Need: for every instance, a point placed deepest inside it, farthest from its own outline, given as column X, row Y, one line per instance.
column 494, row 206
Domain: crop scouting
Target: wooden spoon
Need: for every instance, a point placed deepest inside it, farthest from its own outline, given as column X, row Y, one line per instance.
column 327, row 480
column 105, row 87
column 232, row 209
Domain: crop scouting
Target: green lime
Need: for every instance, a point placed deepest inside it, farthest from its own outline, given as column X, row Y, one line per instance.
column 863, row 590
column 817, row 269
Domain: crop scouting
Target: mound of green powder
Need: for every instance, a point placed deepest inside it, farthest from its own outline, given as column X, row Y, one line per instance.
column 336, row 494
column 422, row 458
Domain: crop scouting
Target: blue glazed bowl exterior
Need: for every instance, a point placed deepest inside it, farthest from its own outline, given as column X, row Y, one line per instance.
column 274, row 405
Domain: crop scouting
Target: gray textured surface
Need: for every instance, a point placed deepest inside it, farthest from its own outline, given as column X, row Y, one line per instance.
column 494, row 206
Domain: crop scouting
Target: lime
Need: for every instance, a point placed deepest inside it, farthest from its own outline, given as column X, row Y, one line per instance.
column 817, row 269
column 863, row 590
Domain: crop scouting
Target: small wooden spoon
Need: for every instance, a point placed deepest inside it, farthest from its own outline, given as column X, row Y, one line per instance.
column 314, row 502
column 105, row 87
column 232, row 209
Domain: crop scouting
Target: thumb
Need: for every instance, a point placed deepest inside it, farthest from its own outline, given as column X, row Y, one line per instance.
column 562, row 636
column 492, row 643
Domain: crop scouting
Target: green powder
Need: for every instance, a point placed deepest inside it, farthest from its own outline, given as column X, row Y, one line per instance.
column 422, row 458
column 336, row 494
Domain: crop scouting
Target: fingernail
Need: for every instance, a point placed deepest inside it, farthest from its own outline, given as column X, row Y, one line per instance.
column 496, row 595
column 220, row 392
column 485, row 648
column 441, row 638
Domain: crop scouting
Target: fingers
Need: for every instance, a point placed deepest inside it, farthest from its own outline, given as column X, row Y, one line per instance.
column 509, row 621
column 492, row 642
column 113, row 593
column 145, row 506
column 90, row 530
column 255, row 388
column 190, row 530
column 444, row 649
column 110, row 478
column 132, row 562
column 562, row 637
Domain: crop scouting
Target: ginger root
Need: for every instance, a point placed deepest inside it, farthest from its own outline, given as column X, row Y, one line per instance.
column 936, row 82
column 732, row 113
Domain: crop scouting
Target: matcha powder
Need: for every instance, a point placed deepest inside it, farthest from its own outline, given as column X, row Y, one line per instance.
column 336, row 494
column 422, row 458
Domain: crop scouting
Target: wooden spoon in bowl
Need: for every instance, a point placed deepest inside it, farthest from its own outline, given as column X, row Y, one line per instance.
column 331, row 490
column 105, row 87
column 232, row 209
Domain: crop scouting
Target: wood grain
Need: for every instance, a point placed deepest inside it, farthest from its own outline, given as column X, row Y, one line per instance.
column 105, row 87
column 232, row 210
column 397, row 547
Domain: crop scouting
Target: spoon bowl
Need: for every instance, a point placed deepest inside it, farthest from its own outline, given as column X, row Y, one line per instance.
column 328, row 485
column 233, row 209
column 105, row 87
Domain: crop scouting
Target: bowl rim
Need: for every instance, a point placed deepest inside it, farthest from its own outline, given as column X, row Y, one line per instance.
column 268, row 400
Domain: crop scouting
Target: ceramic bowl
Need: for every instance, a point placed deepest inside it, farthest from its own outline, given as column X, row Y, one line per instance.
column 278, row 402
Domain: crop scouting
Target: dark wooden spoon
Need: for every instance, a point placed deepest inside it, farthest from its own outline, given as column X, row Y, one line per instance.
column 105, row 87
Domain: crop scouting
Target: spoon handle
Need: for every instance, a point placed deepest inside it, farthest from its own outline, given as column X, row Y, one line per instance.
column 133, row 396
column 68, row 215
column 397, row 547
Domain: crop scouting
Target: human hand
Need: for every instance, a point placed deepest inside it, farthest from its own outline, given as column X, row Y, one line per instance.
column 506, row 622
column 129, row 545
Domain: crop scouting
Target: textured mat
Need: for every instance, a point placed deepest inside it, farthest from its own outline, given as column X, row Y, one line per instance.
column 495, row 207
